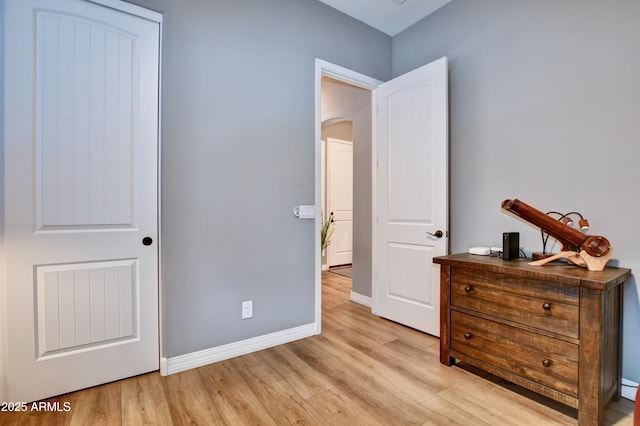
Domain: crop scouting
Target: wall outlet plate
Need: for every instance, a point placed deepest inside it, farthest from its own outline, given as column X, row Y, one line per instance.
column 247, row 309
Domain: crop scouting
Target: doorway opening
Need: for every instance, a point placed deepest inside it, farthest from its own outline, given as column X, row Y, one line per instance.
column 344, row 111
column 406, row 186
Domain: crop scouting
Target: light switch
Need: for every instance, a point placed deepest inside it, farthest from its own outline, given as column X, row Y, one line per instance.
column 305, row 212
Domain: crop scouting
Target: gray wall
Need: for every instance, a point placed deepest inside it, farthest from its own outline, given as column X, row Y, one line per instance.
column 2, row 325
column 362, row 197
column 341, row 130
column 238, row 155
column 342, row 100
column 545, row 107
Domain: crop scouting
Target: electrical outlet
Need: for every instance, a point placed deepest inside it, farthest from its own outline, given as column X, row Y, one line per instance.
column 247, row 309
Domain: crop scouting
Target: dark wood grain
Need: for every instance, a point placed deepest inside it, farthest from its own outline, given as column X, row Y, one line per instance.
column 553, row 329
column 517, row 351
column 559, row 271
column 522, row 300
column 445, row 314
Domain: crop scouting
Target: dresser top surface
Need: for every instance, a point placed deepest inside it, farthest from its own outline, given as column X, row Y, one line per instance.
column 560, row 272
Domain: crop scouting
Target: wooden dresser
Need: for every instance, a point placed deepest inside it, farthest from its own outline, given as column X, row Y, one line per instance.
column 553, row 329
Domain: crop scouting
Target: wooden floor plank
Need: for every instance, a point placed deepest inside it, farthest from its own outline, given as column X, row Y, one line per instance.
column 416, row 364
column 58, row 412
column 410, row 389
column 336, row 408
column 617, row 413
column 497, row 406
column 303, row 379
column 362, row 370
column 400, row 357
column 348, row 320
column 282, row 402
column 232, row 396
column 98, row 406
column 353, row 376
column 189, row 400
column 144, row 401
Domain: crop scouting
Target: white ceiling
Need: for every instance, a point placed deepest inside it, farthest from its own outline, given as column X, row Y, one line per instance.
column 389, row 16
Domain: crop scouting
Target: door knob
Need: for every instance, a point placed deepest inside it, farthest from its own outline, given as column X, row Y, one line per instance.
column 437, row 234
column 147, row 241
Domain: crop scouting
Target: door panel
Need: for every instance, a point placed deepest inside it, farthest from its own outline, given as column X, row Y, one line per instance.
column 408, row 158
column 412, row 202
column 405, row 261
column 341, row 247
column 81, row 161
column 85, row 306
column 85, row 83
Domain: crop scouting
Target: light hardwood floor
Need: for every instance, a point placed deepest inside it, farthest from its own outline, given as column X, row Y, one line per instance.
column 362, row 370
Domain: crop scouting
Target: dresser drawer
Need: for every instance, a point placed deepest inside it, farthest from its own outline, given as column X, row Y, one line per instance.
column 544, row 360
column 547, row 306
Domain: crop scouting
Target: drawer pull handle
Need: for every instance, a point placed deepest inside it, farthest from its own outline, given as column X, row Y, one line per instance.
column 468, row 289
column 546, row 363
column 546, row 307
column 468, row 336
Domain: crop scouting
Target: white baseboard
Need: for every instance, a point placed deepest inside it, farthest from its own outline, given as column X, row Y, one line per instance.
column 220, row 353
column 629, row 389
column 361, row 299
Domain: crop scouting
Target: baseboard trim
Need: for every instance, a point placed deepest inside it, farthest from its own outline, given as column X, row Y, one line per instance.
column 629, row 389
column 220, row 353
column 361, row 299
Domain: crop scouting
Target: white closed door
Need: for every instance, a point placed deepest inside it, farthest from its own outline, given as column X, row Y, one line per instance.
column 340, row 195
column 411, row 202
column 80, row 195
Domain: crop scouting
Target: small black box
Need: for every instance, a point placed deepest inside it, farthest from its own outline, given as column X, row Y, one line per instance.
column 510, row 245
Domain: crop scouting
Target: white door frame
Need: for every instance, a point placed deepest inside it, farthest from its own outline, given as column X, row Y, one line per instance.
column 345, row 75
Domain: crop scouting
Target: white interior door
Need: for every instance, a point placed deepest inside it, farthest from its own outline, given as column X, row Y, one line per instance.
column 81, row 195
column 340, row 196
column 411, row 198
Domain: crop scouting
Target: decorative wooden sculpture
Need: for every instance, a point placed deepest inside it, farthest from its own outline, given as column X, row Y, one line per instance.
column 592, row 251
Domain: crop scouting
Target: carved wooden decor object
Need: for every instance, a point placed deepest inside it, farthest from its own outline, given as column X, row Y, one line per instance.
column 590, row 251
